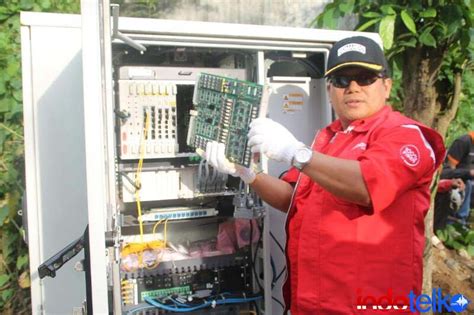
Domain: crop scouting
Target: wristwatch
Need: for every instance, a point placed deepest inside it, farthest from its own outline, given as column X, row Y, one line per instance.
column 302, row 157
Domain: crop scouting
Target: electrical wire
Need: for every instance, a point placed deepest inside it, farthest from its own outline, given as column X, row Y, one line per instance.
column 275, row 279
column 141, row 307
column 278, row 243
column 131, row 181
column 254, row 259
column 199, row 175
column 257, row 310
column 278, row 301
column 272, row 264
column 206, row 178
column 280, row 274
column 166, row 229
column 205, row 304
column 140, row 248
column 139, row 171
column 156, row 225
column 214, row 179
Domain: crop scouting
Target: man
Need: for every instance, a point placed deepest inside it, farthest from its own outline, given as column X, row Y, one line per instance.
column 357, row 198
column 448, row 200
column 459, row 164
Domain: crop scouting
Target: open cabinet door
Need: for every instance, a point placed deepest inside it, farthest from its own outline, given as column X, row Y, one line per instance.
column 97, row 97
column 56, row 209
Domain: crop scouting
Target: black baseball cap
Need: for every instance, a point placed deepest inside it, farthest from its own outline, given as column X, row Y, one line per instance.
column 357, row 51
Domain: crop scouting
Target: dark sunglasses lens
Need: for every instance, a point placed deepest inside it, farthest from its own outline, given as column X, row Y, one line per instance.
column 344, row 82
column 366, row 80
column 340, row 82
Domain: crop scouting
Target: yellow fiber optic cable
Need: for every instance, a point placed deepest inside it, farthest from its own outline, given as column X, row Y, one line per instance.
column 156, row 225
column 139, row 170
column 166, row 228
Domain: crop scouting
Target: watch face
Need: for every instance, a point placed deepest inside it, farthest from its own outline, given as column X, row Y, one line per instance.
column 303, row 155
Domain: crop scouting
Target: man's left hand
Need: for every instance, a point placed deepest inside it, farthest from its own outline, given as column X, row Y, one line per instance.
column 272, row 139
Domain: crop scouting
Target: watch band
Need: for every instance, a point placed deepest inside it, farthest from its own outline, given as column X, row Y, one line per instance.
column 302, row 157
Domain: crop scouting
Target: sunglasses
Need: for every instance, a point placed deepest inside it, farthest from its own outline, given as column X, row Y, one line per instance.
column 365, row 79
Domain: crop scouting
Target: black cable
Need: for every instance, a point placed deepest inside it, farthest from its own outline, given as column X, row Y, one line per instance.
column 272, row 263
column 254, row 259
column 280, row 274
column 278, row 243
column 282, row 174
column 132, row 182
column 255, row 305
column 278, row 301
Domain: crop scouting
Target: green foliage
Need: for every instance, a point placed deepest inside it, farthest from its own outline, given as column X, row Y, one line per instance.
column 139, row 8
column 456, row 237
column 433, row 29
column 406, row 22
column 464, row 120
column 14, row 269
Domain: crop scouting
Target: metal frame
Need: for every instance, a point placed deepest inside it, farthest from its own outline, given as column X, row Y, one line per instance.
column 95, row 100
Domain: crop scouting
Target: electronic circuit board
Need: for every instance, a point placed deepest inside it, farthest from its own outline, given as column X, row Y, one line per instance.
column 225, row 108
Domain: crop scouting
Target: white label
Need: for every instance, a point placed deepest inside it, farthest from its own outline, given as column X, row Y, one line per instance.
column 351, row 47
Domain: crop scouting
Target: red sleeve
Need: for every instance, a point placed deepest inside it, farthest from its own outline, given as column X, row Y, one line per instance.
column 444, row 185
column 395, row 161
column 291, row 176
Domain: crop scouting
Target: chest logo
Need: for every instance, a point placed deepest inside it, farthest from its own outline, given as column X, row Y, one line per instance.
column 410, row 155
column 362, row 146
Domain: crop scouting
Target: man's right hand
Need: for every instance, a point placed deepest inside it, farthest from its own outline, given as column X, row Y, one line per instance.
column 215, row 156
column 458, row 183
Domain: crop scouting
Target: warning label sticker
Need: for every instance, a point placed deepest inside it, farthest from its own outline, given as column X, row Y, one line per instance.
column 293, row 102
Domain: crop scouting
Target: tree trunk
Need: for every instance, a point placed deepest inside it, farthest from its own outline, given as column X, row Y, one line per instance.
column 444, row 117
column 422, row 102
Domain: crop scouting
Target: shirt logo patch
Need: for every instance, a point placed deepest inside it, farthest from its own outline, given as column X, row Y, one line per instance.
column 410, row 155
column 361, row 145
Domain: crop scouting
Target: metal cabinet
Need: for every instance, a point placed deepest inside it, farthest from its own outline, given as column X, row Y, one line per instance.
column 74, row 70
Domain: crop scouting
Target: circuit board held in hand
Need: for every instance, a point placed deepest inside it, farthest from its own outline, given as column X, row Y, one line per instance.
column 225, row 108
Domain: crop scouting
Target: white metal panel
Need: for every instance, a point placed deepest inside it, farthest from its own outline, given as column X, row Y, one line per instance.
column 301, row 105
column 50, row 19
column 54, row 159
column 240, row 32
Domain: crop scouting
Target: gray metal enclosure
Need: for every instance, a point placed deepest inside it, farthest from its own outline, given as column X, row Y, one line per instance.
column 70, row 96
column 54, row 153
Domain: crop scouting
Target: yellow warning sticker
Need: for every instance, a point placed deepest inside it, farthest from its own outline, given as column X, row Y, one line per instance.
column 293, row 102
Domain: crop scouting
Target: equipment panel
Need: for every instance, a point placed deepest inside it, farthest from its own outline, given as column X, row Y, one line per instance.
column 182, row 248
column 152, row 104
column 225, row 108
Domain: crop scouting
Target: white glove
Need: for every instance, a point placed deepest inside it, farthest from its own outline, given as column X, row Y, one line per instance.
column 273, row 140
column 215, row 156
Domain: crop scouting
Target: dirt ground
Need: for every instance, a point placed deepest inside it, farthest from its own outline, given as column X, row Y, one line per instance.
column 454, row 274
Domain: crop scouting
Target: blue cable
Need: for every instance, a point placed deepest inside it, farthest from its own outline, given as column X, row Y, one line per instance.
column 178, row 303
column 176, row 309
column 212, row 303
column 141, row 308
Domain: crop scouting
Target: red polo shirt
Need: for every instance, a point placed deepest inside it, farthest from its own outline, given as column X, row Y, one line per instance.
column 338, row 251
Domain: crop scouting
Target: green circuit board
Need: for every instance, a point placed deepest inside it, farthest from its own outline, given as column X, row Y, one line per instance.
column 225, row 108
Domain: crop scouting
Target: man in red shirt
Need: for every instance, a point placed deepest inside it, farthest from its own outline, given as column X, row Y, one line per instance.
column 356, row 198
column 459, row 162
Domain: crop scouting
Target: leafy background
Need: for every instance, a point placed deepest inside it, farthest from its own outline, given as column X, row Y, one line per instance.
column 14, row 269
